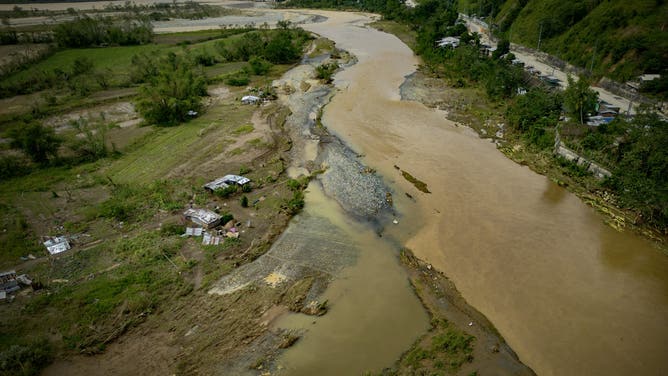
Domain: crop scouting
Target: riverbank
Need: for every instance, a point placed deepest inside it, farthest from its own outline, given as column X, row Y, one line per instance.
column 469, row 107
column 504, row 235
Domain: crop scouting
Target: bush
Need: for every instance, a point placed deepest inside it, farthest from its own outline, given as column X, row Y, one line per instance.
column 172, row 229
column 326, row 71
column 259, row 66
column 87, row 32
column 226, row 217
column 238, row 79
column 82, row 65
column 26, row 360
column 120, row 206
column 227, row 191
column 174, row 94
column 205, row 59
column 244, row 201
column 13, row 166
column 39, row 142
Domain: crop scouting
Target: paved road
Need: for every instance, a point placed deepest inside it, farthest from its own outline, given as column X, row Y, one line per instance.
column 535, row 61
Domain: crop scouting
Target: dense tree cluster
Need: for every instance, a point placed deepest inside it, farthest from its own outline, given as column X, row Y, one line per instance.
column 172, row 92
column 88, row 32
column 281, row 46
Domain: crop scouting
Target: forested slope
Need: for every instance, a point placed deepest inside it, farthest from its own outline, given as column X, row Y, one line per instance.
column 618, row 38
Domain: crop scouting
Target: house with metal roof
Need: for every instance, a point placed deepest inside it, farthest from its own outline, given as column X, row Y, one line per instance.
column 57, row 244
column 226, row 181
column 203, row 217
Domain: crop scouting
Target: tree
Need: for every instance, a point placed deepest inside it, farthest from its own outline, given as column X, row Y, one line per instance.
column 502, row 48
column 259, row 66
column 92, row 143
column 641, row 176
column 537, row 104
column 39, row 142
column 173, row 95
column 579, row 99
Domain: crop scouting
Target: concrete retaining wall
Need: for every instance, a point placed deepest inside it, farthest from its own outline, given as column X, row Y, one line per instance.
column 591, row 166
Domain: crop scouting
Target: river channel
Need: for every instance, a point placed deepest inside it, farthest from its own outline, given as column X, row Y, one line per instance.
column 569, row 294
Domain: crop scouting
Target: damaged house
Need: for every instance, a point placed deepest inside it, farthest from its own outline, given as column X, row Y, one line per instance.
column 226, row 181
column 203, row 217
column 57, row 244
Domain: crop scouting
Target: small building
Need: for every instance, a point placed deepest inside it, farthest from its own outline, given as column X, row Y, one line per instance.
column 250, row 99
column 595, row 121
column 448, row 42
column 551, row 80
column 8, row 282
column 226, row 181
column 57, row 244
column 203, row 217
column 607, row 113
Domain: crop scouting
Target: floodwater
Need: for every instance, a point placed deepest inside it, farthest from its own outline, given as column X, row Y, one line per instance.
column 374, row 315
column 569, row 294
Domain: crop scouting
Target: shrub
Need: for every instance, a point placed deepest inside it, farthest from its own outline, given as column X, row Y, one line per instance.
column 12, row 166
column 244, row 201
column 39, row 142
column 174, row 94
column 326, row 71
column 172, row 229
column 227, row 191
column 205, row 59
column 238, row 79
column 82, row 65
column 26, row 360
column 87, row 31
column 259, row 66
column 226, row 217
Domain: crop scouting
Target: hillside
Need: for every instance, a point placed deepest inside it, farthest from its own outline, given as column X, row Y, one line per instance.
column 617, row 38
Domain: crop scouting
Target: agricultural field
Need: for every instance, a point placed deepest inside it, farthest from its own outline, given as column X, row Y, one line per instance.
column 115, row 182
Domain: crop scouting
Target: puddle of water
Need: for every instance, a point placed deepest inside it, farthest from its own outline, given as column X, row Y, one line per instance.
column 374, row 315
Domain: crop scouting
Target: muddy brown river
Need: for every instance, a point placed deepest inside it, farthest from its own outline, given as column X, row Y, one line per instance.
column 569, row 294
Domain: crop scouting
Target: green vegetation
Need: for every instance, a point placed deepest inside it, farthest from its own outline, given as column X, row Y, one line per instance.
column 579, row 99
column 26, row 360
column 449, row 349
column 88, row 32
column 296, row 203
column 173, row 95
column 326, row 71
column 641, row 174
column 419, row 184
column 39, row 142
column 280, row 46
column 122, row 205
column 617, row 38
column 534, row 117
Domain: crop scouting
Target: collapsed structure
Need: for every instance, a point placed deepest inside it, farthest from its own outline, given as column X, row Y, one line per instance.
column 226, row 181
column 203, row 217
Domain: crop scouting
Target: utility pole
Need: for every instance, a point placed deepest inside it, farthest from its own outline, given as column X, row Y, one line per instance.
column 591, row 65
column 540, row 33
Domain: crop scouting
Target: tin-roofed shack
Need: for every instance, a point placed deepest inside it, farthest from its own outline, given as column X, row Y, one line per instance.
column 203, row 217
column 226, row 181
column 8, row 282
column 57, row 244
